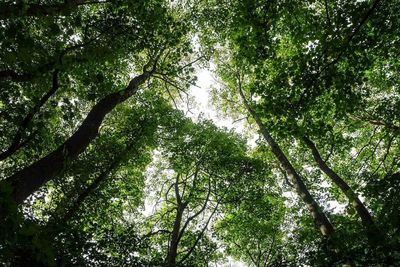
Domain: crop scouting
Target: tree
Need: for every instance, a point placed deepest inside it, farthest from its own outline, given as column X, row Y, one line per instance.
column 204, row 167
column 301, row 67
column 27, row 180
column 94, row 133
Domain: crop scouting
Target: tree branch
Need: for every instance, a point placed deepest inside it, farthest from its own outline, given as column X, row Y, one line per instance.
column 16, row 143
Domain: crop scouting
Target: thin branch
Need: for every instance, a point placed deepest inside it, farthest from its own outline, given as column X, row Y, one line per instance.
column 184, row 66
column 270, row 249
column 170, row 95
column 285, row 175
column 246, row 251
column 367, row 144
column 200, row 235
column 16, row 143
column 197, row 213
column 161, row 231
column 240, row 119
column 371, row 154
column 176, row 187
column 385, row 156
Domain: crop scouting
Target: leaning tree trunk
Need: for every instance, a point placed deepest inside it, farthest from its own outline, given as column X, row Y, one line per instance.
column 362, row 211
column 318, row 215
column 28, row 180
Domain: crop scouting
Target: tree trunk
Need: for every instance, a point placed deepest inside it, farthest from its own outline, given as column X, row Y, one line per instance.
column 28, row 180
column 354, row 200
column 173, row 245
column 319, row 217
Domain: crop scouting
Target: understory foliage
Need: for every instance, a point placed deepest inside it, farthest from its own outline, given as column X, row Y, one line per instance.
column 100, row 164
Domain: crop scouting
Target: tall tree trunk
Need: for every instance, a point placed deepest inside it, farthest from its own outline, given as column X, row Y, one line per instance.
column 362, row 211
column 28, row 180
column 319, row 217
column 173, row 245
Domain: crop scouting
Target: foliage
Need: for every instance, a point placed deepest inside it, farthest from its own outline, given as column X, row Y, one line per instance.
column 99, row 167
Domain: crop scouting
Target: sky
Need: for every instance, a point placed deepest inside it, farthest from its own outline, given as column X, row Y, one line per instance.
column 203, row 106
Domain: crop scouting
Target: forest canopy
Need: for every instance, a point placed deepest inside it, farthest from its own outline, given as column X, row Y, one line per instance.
column 101, row 163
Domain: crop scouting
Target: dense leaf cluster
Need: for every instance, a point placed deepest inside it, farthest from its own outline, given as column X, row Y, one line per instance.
column 99, row 165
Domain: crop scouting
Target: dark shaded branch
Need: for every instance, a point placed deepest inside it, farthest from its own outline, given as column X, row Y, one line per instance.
column 246, row 251
column 161, row 231
column 174, row 240
column 285, row 176
column 15, row 76
column 16, row 142
column 271, row 248
column 176, row 187
column 197, row 213
column 88, row 191
column 389, row 146
column 378, row 122
column 170, row 95
column 200, row 235
column 99, row 179
column 366, row 145
column 373, row 153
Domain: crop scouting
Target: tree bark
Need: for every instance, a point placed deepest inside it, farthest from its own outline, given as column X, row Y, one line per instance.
column 28, row 180
column 173, row 245
column 319, row 217
column 362, row 211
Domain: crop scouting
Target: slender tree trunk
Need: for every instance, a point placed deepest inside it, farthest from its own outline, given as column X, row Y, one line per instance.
column 200, row 235
column 362, row 211
column 28, row 180
column 173, row 245
column 318, row 215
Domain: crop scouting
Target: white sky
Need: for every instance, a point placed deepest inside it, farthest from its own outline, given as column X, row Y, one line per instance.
column 203, row 107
